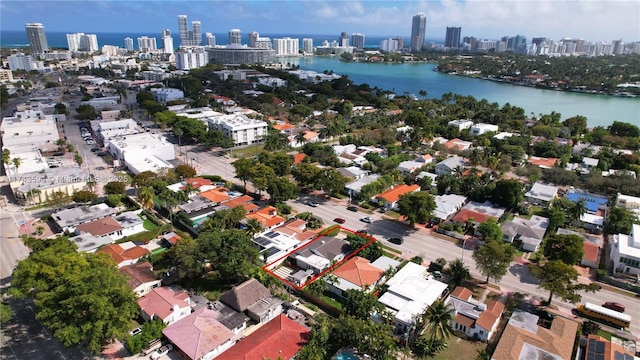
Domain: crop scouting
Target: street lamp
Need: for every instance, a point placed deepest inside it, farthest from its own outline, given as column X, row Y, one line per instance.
column 464, row 242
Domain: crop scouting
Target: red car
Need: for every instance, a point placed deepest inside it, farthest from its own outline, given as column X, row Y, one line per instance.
column 340, row 220
column 613, row 306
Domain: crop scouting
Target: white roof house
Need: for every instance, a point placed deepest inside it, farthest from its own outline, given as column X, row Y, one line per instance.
column 480, row 128
column 68, row 219
column 410, row 166
column 629, row 202
column 238, row 127
column 410, row 292
column 448, row 205
column 356, row 186
column 112, row 129
column 22, row 134
column 447, row 166
column 460, row 124
column 625, row 251
column 142, row 152
column 541, row 194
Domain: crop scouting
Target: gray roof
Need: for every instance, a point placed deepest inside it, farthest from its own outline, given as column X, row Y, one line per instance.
column 263, row 306
column 532, row 228
column 241, row 297
column 451, row 163
column 129, row 219
column 89, row 243
column 81, row 214
column 383, row 262
column 327, row 247
column 230, row 318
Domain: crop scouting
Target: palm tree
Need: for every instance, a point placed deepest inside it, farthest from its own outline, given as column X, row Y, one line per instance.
column 300, row 139
column 318, row 287
column 457, row 272
column 6, row 156
column 438, row 316
column 61, row 143
column 189, row 189
column 179, row 132
column 253, row 227
column 579, row 209
column 145, row 196
column 16, row 162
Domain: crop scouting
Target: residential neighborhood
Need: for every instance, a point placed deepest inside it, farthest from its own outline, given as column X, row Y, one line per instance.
column 219, row 215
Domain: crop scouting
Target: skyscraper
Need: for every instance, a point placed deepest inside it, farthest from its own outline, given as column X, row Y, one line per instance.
column 344, row 39
column 452, row 38
column 307, row 45
column 167, row 42
column 37, row 38
column 357, row 40
column 235, row 37
column 418, row 28
column 128, row 44
column 211, row 39
column 147, row 44
column 183, row 30
column 196, row 39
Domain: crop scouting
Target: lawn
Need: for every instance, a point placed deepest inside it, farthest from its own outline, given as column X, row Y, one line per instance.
column 605, row 334
column 458, row 348
column 149, row 225
column 249, row 151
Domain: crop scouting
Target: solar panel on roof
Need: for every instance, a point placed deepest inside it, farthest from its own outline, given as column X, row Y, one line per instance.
column 271, row 235
column 262, row 241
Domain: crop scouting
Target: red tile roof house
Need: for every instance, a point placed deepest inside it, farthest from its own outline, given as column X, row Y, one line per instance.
column 280, row 338
column 168, row 304
column 199, row 336
column 477, row 320
column 390, row 197
column 268, row 217
column 591, row 257
column 141, row 277
column 125, row 253
column 252, row 298
column 356, row 273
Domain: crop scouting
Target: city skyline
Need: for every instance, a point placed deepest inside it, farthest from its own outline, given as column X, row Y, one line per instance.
column 482, row 19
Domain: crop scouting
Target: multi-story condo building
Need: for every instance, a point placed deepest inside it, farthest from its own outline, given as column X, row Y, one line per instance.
column 210, row 38
column 307, row 45
column 235, row 37
column 37, row 38
column 82, row 42
column 196, row 33
column 257, row 42
column 167, row 42
column 286, row 46
column 241, row 129
column 188, row 37
column 389, row 45
column 344, row 39
column 128, row 44
column 418, row 29
column 357, row 40
column 237, row 54
column 191, row 57
column 183, row 30
column 147, row 44
column 21, row 61
column 452, row 37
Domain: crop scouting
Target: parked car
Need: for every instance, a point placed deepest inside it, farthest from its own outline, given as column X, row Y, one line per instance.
column 91, row 142
column 162, row 351
column 614, row 306
column 95, row 150
column 340, row 220
column 352, row 208
column 396, row 240
column 367, row 219
column 135, row 331
column 313, row 204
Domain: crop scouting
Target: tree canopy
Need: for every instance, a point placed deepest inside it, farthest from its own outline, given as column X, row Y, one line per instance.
column 560, row 279
column 493, row 259
column 417, row 206
column 566, row 248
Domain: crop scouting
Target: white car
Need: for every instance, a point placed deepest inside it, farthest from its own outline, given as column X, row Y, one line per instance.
column 162, row 351
column 91, row 142
column 313, row 204
column 367, row 219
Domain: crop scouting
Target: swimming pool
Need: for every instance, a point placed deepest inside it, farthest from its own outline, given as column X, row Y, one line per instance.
column 345, row 355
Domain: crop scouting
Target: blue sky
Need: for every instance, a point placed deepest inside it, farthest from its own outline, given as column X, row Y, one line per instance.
column 602, row 20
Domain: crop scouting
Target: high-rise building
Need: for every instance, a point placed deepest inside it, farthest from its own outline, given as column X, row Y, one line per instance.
column 37, row 38
column 418, row 29
column 196, row 35
column 452, row 38
column 618, row 47
column 389, row 45
column 82, row 42
column 73, row 42
column 191, row 57
column 258, row 42
column 400, row 41
column 344, row 39
column 235, row 37
column 128, row 44
column 167, row 42
column 286, row 46
column 147, row 44
column 211, row 39
column 307, row 45
column 253, row 38
column 21, row 61
column 183, row 30
column 357, row 40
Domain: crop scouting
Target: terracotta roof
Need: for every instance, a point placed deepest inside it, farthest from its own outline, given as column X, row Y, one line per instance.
column 298, row 158
column 120, row 254
column 455, row 144
column 172, row 238
column 359, row 271
column 490, row 315
column 392, row 195
column 283, row 127
column 245, row 295
column 463, row 215
column 611, row 351
column 139, row 273
column 216, row 195
column 464, row 320
column 245, row 201
column 462, row 293
column 558, row 339
column 280, row 338
column 160, row 302
column 542, row 162
column 100, row 227
column 198, row 334
column 267, row 216
column 591, row 251
column 198, row 182
column 310, row 134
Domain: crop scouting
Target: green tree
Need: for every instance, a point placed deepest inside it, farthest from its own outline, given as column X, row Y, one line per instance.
column 371, row 252
column 361, row 304
column 331, row 181
column 243, row 168
column 143, row 179
column 230, row 253
column 417, row 206
column 145, row 196
column 306, row 175
column 6, row 312
column 490, row 230
column 620, row 221
column 493, row 259
column 16, row 162
column 281, row 190
column 185, row 171
column 566, row 248
column 578, row 209
column 80, row 297
column 317, row 287
column 507, row 193
column 6, row 156
column 253, row 227
column 261, row 175
column 457, row 272
column 577, row 125
column 84, row 196
column 113, row 200
column 438, row 317
column 557, row 219
column 560, row 279
column 115, row 188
